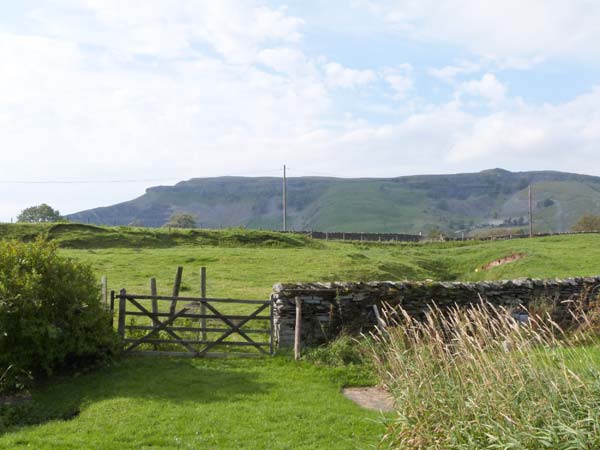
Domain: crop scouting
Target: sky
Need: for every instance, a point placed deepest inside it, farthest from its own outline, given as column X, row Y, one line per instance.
column 100, row 99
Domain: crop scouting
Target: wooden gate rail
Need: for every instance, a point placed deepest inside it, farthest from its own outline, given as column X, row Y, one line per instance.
column 164, row 322
column 193, row 299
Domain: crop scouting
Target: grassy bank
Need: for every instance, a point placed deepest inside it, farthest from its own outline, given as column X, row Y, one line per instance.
column 81, row 236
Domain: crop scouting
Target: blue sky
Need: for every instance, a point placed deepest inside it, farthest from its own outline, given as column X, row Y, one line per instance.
column 158, row 91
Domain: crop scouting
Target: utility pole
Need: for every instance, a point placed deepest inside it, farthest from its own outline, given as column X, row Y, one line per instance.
column 284, row 200
column 530, row 214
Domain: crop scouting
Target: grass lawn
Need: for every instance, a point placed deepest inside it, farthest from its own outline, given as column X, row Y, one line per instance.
column 168, row 403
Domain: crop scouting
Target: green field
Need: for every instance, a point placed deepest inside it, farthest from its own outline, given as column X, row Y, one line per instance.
column 148, row 403
column 246, row 403
column 250, row 272
column 246, row 264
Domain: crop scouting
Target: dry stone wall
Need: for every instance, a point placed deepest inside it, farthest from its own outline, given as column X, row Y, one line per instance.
column 330, row 308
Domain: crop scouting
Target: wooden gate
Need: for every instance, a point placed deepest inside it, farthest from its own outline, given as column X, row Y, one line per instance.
column 189, row 326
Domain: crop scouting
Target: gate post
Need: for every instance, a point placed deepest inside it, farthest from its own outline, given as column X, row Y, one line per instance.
column 112, row 308
column 122, row 307
column 154, row 293
column 203, row 305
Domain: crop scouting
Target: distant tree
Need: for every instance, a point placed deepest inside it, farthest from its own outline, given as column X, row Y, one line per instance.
column 40, row 213
column 587, row 222
column 546, row 203
column 181, row 220
column 436, row 233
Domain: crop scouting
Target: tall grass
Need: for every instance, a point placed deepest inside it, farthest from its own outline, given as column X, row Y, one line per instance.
column 477, row 378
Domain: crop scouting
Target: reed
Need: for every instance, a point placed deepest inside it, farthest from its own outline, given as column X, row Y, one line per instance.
column 477, row 378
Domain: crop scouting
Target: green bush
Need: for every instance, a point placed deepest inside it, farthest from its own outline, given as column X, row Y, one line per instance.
column 342, row 351
column 349, row 358
column 51, row 317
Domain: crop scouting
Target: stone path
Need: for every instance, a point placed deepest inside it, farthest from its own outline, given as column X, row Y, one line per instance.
column 371, row 398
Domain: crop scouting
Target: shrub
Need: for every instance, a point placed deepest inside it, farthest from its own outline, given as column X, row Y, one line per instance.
column 181, row 220
column 477, row 378
column 51, row 317
column 587, row 222
column 342, row 351
column 349, row 358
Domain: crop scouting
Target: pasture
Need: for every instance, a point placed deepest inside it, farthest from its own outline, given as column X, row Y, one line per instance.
column 249, row 271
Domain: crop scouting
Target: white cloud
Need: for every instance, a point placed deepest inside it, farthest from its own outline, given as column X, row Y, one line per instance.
column 514, row 32
column 340, row 76
column 400, row 80
column 448, row 139
column 568, row 132
column 165, row 28
column 448, row 74
column 286, row 60
column 489, row 88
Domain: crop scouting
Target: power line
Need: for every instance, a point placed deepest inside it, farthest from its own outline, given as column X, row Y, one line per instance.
column 147, row 180
column 131, row 180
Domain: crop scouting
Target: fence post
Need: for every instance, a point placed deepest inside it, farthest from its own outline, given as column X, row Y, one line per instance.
column 104, row 287
column 122, row 308
column 112, row 308
column 176, row 288
column 203, row 297
column 154, row 293
column 298, row 331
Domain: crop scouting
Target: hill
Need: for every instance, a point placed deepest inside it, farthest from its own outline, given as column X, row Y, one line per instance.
column 409, row 204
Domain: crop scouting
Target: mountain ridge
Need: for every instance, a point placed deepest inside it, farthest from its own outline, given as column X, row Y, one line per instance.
column 406, row 204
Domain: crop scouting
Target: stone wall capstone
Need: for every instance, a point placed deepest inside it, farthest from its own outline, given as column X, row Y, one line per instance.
column 330, row 308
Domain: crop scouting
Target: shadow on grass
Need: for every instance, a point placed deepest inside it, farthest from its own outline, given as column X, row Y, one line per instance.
column 168, row 380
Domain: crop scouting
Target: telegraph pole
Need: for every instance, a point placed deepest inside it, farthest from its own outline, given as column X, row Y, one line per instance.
column 530, row 214
column 284, row 200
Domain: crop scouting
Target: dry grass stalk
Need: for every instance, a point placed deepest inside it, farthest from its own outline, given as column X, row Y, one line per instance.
column 478, row 378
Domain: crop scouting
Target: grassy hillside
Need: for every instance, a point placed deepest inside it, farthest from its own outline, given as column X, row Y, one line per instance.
column 74, row 235
column 405, row 204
